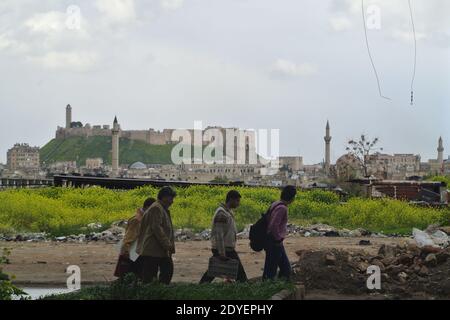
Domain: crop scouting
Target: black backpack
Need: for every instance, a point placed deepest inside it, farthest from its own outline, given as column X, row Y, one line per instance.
column 258, row 232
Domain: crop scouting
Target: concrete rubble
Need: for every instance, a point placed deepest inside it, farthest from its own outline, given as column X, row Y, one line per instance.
column 405, row 270
column 115, row 233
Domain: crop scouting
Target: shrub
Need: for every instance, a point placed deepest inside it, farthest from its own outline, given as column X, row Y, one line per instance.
column 64, row 211
column 131, row 289
column 7, row 289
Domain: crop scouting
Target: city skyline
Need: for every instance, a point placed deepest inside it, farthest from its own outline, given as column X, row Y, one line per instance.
column 327, row 160
column 297, row 65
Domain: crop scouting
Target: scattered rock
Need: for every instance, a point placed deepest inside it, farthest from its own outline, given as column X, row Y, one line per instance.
column 242, row 235
column 355, row 233
column 430, row 249
column 431, row 260
column 330, row 259
column 365, row 243
column 424, row 271
column 402, row 276
column 94, row 226
column 405, row 259
column 378, row 263
column 121, row 224
column 432, row 228
column 362, row 266
column 405, row 270
column 388, row 251
column 442, row 257
column 445, row 229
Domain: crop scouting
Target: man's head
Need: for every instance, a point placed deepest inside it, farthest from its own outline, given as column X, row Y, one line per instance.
column 147, row 203
column 288, row 194
column 166, row 196
column 233, row 199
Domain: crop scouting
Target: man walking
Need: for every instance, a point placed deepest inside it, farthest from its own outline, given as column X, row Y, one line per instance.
column 156, row 243
column 276, row 256
column 223, row 235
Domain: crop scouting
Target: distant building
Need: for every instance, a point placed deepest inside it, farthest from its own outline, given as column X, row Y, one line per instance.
column 138, row 166
column 23, row 157
column 94, row 163
column 63, row 167
column 293, row 163
column 437, row 166
column 327, row 139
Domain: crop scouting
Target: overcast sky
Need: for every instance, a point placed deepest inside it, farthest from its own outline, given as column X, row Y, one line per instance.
column 284, row 64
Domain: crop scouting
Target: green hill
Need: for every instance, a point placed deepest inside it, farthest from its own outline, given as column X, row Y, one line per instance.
column 80, row 148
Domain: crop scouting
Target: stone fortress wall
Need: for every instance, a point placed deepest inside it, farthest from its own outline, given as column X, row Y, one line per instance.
column 246, row 142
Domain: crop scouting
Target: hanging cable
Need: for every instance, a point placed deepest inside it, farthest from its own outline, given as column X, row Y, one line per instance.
column 415, row 52
column 370, row 53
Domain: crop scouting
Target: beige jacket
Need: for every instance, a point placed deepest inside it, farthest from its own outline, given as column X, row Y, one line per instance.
column 131, row 234
column 223, row 233
column 156, row 238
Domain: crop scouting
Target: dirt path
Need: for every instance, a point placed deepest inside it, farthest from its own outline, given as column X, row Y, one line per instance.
column 44, row 264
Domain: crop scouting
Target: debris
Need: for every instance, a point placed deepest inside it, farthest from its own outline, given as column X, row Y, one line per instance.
column 440, row 238
column 364, row 243
column 431, row 260
column 406, row 270
column 445, row 229
column 431, row 237
column 94, row 225
column 330, row 259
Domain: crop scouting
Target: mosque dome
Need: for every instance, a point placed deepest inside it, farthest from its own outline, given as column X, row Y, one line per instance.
column 138, row 166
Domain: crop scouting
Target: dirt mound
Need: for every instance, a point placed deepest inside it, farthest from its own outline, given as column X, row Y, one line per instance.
column 405, row 271
column 329, row 270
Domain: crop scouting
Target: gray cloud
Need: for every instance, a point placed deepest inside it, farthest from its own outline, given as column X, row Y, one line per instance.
column 167, row 63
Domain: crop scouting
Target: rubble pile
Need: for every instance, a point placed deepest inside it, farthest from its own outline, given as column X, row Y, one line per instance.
column 115, row 233
column 405, row 270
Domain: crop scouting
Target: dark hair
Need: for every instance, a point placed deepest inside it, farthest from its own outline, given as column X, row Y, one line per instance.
column 166, row 192
column 232, row 194
column 288, row 193
column 148, row 202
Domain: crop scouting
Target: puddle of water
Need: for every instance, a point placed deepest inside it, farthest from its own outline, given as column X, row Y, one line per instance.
column 36, row 293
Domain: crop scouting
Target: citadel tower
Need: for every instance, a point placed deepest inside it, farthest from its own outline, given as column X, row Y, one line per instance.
column 115, row 147
column 327, row 139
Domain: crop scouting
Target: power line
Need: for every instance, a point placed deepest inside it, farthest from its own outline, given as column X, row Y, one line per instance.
column 370, row 53
column 415, row 52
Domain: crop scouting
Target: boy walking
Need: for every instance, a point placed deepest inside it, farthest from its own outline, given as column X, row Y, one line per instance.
column 276, row 257
column 223, row 235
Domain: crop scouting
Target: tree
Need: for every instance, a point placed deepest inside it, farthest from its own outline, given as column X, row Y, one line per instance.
column 219, row 180
column 361, row 150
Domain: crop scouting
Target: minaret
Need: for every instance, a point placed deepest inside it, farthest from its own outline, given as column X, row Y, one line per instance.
column 440, row 149
column 327, row 139
column 115, row 147
column 68, row 116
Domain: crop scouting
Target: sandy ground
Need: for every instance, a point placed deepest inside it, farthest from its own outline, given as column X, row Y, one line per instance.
column 44, row 264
